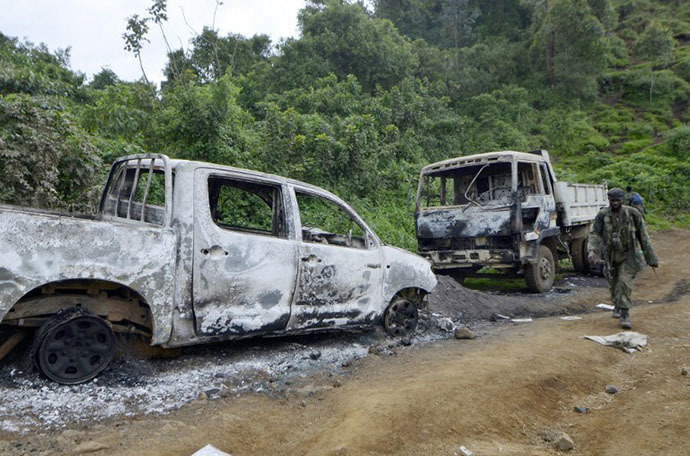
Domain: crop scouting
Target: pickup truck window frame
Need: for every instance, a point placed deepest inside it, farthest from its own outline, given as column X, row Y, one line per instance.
column 278, row 222
column 147, row 163
column 371, row 240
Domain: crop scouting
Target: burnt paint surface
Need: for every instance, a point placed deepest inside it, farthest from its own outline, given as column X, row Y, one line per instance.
column 37, row 248
column 337, row 286
column 243, row 283
column 469, row 221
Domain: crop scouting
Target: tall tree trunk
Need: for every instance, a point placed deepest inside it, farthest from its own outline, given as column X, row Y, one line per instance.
column 550, row 55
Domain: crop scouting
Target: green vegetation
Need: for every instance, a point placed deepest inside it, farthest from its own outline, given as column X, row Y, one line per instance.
column 362, row 99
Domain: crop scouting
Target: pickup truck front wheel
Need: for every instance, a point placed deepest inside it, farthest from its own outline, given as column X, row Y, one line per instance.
column 540, row 275
column 73, row 346
column 401, row 317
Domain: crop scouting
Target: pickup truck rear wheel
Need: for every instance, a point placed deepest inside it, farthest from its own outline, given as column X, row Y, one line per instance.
column 401, row 317
column 73, row 346
column 540, row 275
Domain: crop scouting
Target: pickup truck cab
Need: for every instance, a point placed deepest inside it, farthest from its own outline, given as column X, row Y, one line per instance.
column 185, row 252
column 503, row 210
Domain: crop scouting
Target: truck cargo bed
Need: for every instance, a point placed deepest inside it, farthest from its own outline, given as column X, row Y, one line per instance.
column 579, row 203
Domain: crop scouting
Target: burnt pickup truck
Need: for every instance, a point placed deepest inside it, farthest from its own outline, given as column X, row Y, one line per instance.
column 505, row 211
column 184, row 252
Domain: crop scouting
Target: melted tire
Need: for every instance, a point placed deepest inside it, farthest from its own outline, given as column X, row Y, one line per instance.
column 73, row 346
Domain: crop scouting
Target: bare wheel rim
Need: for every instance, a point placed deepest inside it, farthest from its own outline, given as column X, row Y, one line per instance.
column 401, row 318
column 545, row 269
column 76, row 350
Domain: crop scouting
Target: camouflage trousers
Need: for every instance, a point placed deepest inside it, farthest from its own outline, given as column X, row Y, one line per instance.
column 620, row 284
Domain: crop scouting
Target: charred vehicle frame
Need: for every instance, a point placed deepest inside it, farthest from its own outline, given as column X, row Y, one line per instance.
column 506, row 211
column 183, row 253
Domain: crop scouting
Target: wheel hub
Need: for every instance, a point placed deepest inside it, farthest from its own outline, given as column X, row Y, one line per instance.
column 544, row 269
column 75, row 349
column 401, row 318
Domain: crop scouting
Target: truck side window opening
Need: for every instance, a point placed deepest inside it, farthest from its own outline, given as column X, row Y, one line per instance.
column 246, row 206
column 325, row 222
column 527, row 183
column 546, row 184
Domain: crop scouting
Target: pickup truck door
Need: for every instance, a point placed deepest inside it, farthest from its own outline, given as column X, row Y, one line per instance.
column 340, row 266
column 245, row 262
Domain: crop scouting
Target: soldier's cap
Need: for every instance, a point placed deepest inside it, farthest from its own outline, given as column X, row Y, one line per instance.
column 616, row 193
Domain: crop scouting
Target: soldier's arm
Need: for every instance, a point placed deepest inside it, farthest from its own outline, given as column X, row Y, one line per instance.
column 643, row 238
column 594, row 241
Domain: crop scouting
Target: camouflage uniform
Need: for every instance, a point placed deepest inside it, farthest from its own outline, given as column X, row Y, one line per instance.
column 621, row 235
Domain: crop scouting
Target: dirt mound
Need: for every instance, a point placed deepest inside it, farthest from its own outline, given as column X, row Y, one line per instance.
column 464, row 305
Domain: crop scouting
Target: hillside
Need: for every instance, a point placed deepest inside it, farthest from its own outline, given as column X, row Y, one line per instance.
column 363, row 98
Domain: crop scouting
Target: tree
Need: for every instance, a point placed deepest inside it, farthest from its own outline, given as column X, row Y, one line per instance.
column 343, row 39
column 134, row 37
column 655, row 45
column 444, row 23
column 568, row 48
column 104, row 78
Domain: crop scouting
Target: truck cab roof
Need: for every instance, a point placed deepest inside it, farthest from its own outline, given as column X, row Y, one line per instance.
column 539, row 156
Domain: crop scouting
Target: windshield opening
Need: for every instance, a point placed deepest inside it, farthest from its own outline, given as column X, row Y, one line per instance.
column 480, row 185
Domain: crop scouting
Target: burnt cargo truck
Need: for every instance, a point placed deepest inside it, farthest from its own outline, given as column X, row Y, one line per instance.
column 184, row 252
column 506, row 211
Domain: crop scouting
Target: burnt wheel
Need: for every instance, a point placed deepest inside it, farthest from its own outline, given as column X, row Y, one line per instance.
column 401, row 318
column 540, row 276
column 73, row 346
column 578, row 252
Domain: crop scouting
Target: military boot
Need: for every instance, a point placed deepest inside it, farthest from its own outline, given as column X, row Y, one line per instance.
column 616, row 312
column 625, row 319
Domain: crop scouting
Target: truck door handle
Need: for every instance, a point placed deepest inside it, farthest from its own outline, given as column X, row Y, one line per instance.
column 373, row 265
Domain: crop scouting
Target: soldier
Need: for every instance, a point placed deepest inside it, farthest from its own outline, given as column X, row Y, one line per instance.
column 616, row 233
column 633, row 199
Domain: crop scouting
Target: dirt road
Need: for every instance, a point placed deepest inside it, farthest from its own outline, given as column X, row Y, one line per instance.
column 493, row 395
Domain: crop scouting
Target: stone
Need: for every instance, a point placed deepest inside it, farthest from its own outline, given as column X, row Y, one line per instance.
column 549, row 435
column 581, row 409
column 564, row 442
column 684, row 371
column 464, row 333
column 90, row 447
column 611, row 389
column 560, row 440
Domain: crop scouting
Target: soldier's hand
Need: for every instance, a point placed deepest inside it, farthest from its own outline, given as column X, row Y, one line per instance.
column 654, row 265
column 592, row 257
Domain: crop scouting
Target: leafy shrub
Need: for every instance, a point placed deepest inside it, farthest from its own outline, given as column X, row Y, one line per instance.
column 46, row 160
column 678, row 141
